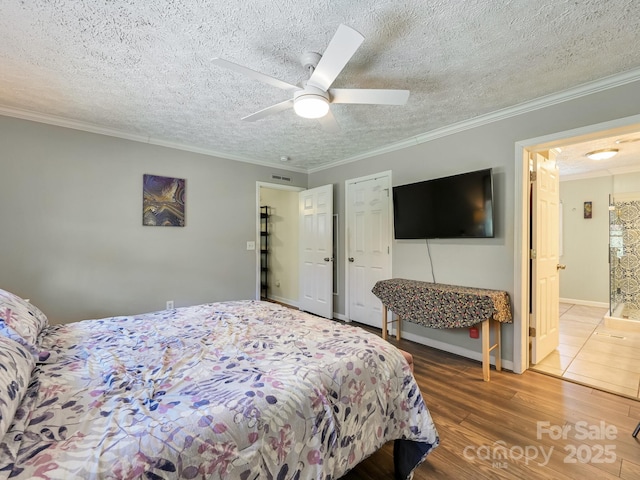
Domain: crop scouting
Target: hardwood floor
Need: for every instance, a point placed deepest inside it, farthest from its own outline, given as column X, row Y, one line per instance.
column 523, row 414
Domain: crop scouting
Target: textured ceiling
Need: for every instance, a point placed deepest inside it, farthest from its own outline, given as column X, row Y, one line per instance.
column 144, row 67
column 573, row 162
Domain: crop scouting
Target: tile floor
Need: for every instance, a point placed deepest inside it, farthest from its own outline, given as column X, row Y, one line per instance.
column 592, row 353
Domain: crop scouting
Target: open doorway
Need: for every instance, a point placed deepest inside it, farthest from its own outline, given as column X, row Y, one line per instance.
column 587, row 343
column 277, row 256
column 295, row 241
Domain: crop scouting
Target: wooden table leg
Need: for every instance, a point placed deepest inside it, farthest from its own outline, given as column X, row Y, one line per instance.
column 487, row 347
column 486, row 362
column 384, row 322
column 399, row 321
column 497, row 339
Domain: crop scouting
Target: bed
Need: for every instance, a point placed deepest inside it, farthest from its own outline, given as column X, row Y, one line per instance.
column 230, row 390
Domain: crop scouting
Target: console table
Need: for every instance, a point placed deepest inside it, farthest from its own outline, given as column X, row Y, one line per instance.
column 436, row 305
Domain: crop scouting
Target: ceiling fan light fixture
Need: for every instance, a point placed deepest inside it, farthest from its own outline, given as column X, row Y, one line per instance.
column 311, row 98
column 311, row 105
column 603, row 154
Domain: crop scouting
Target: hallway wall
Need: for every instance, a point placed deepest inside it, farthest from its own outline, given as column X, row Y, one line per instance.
column 585, row 240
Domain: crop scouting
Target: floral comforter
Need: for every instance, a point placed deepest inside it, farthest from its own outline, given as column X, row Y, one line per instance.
column 232, row 390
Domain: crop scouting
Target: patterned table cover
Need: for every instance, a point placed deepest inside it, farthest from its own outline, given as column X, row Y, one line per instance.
column 437, row 305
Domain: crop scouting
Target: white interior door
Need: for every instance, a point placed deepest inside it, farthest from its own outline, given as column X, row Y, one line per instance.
column 368, row 245
column 316, row 250
column 545, row 285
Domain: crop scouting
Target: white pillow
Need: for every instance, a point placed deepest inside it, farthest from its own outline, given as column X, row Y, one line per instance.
column 20, row 320
column 16, row 365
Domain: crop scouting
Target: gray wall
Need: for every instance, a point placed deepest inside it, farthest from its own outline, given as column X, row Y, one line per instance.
column 585, row 240
column 477, row 263
column 72, row 237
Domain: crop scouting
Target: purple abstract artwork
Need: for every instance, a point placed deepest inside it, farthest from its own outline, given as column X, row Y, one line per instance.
column 163, row 201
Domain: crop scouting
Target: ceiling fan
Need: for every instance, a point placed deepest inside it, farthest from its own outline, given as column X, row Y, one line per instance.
column 312, row 99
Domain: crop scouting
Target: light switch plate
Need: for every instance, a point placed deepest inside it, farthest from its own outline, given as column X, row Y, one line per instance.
column 251, row 245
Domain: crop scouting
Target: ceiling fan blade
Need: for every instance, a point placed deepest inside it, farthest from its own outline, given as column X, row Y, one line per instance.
column 369, row 96
column 278, row 107
column 253, row 74
column 341, row 48
column 329, row 123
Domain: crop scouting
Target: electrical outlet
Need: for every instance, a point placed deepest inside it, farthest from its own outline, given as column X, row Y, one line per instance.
column 251, row 245
column 169, row 304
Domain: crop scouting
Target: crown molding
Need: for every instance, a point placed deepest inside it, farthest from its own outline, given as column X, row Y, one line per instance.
column 392, row 147
column 91, row 128
column 583, row 90
column 68, row 123
column 536, row 104
column 228, row 156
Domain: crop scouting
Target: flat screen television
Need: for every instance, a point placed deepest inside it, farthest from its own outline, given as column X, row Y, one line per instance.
column 459, row 206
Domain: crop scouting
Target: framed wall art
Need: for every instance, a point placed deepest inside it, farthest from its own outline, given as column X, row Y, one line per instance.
column 163, row 201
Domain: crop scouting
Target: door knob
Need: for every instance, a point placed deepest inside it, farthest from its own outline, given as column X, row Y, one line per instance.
column 561, row 267
column 351, row 259
column 327, row 259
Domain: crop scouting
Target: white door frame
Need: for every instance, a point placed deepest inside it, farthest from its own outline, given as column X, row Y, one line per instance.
column 521, row 222
column 273, row 186
column 386, row 173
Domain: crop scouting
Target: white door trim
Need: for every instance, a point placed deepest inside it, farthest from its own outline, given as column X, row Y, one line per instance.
column 274, row 186
column 347, row 183
column 521, row 225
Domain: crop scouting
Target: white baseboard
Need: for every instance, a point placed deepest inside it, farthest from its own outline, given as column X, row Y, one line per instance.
column 341, row 316
column 586, row 303
column 287, row 301
column 294, row 303
column 447, row 347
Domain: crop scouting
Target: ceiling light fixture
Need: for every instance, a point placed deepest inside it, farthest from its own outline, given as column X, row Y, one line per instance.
column 603, row 154
column 311, row 103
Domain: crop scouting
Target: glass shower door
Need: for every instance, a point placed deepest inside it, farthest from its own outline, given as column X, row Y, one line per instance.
column 616, row 251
